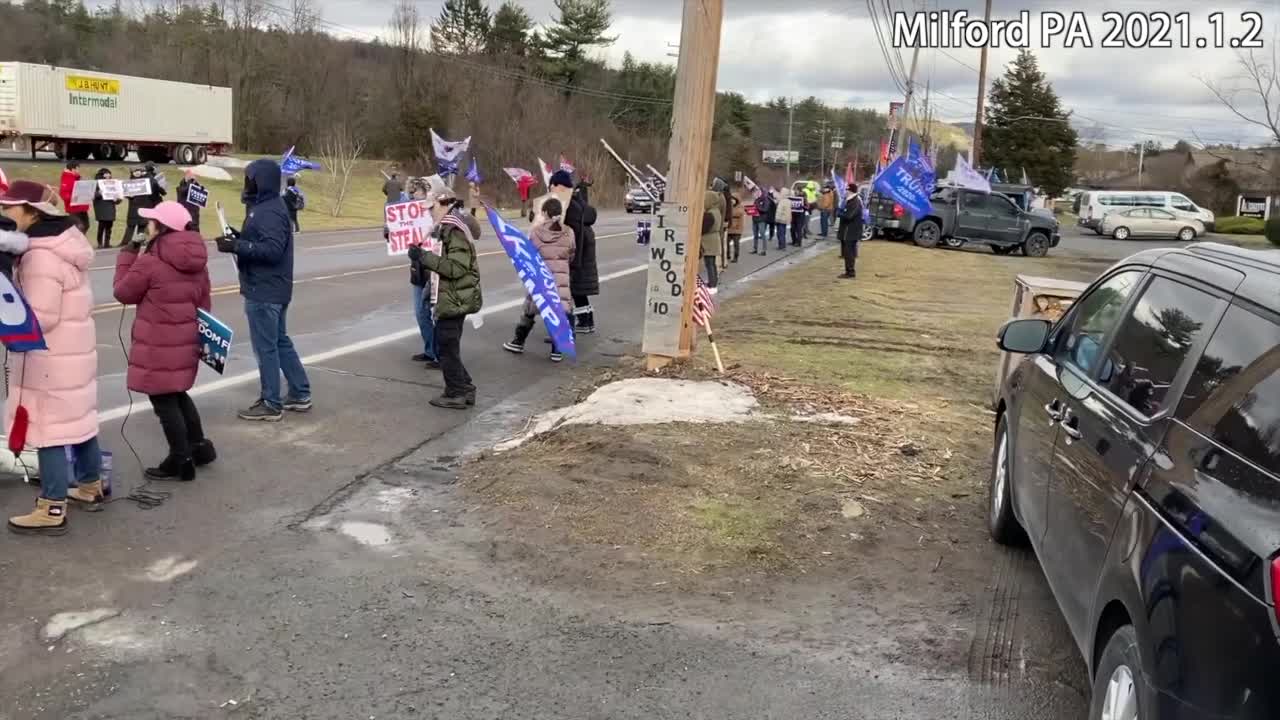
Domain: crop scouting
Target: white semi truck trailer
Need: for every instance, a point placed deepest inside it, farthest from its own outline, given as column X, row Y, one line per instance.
column 86, row 114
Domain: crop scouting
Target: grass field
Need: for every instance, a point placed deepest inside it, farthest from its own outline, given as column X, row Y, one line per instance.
column 362, row 208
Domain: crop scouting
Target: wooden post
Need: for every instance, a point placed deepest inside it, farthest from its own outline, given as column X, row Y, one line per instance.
column 674, row 252
column 975, row 150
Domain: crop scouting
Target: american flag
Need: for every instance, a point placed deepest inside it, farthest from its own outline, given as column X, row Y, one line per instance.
column 704, row 305
column 565, row 166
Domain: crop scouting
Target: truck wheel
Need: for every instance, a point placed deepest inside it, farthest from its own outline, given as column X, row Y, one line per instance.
column 202, row 155
column 60, row 150
column 927, row 234
column 953, row 243
column 1036, row 245
column 119, row 152
column 186, row 155
column 104, row 152
column 868, row 232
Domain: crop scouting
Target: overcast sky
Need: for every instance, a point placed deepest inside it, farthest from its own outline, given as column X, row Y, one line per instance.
column 828, row 48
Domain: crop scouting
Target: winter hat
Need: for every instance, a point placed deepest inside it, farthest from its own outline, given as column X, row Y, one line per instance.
column 34, row 195
column 561, row 178
column 169, row 214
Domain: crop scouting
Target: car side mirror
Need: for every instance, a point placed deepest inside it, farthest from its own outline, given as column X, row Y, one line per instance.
column 1024, row 336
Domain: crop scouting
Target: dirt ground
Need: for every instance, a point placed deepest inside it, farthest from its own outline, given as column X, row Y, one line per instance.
column 856, row 495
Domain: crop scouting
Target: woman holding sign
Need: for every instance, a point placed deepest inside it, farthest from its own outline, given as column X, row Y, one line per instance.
column 167, row 277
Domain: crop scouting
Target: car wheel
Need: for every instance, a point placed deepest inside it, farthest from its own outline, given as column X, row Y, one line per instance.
column 953, row 243
column 1000, row 518
column 1036, row 245
column 868, row 232
column 1187, row 234
column 927, row 234
column 1120, row 233
column 1117, row 683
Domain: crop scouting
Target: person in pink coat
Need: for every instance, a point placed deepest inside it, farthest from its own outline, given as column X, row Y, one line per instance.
column 54, row 392
column 167, row 277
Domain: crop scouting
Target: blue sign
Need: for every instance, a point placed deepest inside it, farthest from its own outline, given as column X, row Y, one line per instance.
column 538, row 281
column 215, row 340
column 841, row 189
column 473, row 173
column 909, row 182
column 19, row 328
column 291, row 164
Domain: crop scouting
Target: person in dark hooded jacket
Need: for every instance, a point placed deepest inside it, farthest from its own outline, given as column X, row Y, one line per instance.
column 167, row 278
column 584, row 275
column 104, row 210
column 263, row 250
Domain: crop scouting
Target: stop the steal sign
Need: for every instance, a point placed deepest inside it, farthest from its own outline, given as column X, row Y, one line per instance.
column 409, row 223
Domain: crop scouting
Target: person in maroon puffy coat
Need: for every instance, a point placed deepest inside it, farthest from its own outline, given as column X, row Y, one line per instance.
column 167, row 277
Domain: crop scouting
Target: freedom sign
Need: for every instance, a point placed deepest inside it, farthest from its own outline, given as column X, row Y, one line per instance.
column 215, row 340
column 909, row 182
column 408, row 223
column 538, row 281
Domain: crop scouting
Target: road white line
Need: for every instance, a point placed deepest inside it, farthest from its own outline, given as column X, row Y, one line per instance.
column 373, row 342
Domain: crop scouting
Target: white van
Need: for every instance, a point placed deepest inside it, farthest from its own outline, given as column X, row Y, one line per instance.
column 1094, row 204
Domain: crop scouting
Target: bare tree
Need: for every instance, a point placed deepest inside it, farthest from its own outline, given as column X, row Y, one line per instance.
column 340, row 149
column 407, row 39
column 1253, row 94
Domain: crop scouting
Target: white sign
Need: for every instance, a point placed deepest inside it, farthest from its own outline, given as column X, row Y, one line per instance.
column 665, row 292
column 82, row 192
column 111, row 189
column 408, row 223
column 837, row 144
column 780, row 156
column 1254, row 207
column 137, row 186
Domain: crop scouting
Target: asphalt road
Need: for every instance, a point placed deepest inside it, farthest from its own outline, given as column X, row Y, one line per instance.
column 233, row 588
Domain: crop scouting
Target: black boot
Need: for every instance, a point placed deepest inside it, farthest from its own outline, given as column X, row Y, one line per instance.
column 203, row 453
column 517, row 343
column 173, row 468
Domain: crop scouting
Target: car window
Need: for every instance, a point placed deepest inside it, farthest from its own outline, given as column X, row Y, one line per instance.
column 1135, row 213
column 1154, row 340
column 1093, row 317
column 1234, row 393
column 1180, row 202
column 1162, row 215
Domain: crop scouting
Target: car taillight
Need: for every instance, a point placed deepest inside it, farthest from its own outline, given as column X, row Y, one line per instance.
column 898, row 210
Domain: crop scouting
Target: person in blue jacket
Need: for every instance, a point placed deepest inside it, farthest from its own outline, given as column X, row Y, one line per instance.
column 263, row 250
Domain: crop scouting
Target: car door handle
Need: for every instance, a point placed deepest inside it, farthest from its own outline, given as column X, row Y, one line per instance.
column 1055, row 412
column 1071, row 428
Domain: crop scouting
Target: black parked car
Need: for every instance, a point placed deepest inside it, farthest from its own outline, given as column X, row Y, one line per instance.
column 1137, row 447
column 638, row 200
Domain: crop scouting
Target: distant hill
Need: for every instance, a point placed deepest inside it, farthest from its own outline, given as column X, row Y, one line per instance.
column 948, row 133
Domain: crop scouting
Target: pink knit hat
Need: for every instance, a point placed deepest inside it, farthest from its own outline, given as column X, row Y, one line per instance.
column 170, row 214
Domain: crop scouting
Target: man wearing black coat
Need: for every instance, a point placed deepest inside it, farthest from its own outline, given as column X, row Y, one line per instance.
column 584, row 275
column 850, row 231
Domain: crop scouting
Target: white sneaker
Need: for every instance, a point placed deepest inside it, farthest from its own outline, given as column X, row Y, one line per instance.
column 714, row 290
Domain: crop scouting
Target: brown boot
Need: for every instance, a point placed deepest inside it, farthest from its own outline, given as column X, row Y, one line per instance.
column 87, row 493
column 49, row 518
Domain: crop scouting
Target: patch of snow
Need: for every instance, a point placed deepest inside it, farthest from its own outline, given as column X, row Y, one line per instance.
column 648, row 401
column 365, row 533
column 211, row 172
column 827, row 418
column 121, row 635
column 169, row 568
column 226, row 161
column 62, row 623
column 393, row 499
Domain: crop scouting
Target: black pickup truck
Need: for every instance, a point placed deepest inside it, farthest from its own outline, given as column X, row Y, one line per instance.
column 961, row 216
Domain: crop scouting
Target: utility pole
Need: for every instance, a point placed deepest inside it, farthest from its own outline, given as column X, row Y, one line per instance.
column 976, row 151
column 837, row 143
column 674, row 255
column 791, row 121
column 906, row 106
column 822, row 146
column 1142, row 148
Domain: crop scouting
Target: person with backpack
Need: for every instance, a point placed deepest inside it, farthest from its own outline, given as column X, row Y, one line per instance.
column 167, row 277
column 294, row 201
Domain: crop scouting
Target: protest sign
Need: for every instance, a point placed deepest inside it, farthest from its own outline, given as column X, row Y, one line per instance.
column 197, row 195
column 136, row 187
column 111, row 189
column 408, row 223
column 909, row 182
column 19, row 328
column 538, row 280
column 215, row 340
column 82, row 192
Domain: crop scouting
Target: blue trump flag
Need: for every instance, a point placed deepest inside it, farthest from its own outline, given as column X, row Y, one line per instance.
column 538, row 280
column 291, row 164
column 473, row 173
column 19, row 328
column 909, row 182
column 841, row 192
column 445, row 168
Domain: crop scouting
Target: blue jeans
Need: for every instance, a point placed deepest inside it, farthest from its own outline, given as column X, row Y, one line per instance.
column 60, row 463
column 781, row 229
column 824, row 222
column 426, row 327
column 275, row 353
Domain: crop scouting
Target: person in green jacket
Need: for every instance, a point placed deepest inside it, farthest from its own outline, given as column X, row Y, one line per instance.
column 712, row 223
column 459, row 294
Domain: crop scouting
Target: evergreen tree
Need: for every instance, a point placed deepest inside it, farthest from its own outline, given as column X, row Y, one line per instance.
column 1026, row 127
column 462, row 28
column 732, row 110
column 510, row 34
column 582, row 24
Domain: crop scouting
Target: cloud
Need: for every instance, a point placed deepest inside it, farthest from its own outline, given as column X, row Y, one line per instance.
column 828, row 48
